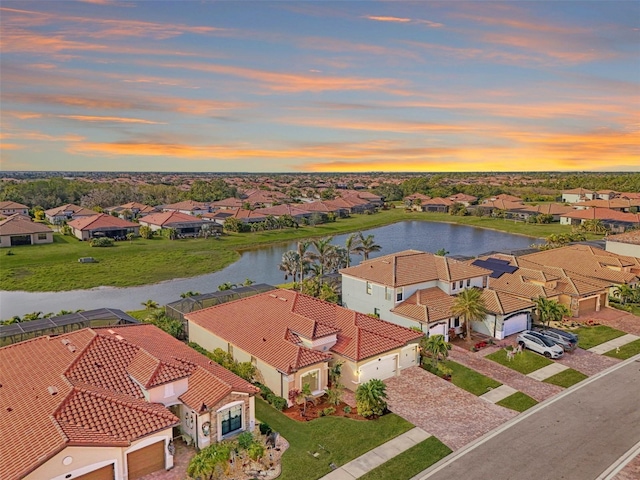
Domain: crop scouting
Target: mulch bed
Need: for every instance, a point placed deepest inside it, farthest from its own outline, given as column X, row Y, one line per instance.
column 313, row 411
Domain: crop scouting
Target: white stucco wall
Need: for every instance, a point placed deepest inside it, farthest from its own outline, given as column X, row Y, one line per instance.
column 620, row 248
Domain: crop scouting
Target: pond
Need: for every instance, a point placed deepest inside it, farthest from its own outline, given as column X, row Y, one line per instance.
column 261, row 265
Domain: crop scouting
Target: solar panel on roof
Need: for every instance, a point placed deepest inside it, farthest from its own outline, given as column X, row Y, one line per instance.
column 497, row 266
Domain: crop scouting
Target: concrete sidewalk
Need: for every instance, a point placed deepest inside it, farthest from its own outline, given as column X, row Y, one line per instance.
column 613, row 344
column 379, row 455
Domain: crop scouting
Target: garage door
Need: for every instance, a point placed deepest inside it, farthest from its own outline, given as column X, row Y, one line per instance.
column 382, row 368
column 408, row 357
column 438, row 329
column 104, row 473
column 146, row 460
column 515, row 324
column 588, row 305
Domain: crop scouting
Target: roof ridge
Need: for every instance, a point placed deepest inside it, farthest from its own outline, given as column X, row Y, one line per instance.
column 81, row 352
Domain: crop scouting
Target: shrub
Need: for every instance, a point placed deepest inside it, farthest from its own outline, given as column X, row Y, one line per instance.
column 264, row 390
column 265, row 429
column 327, row 411
column 279, row 403
column 255, row 451
column 347, row 409
column 245, row 439
column 101, row 242
column 371, row 398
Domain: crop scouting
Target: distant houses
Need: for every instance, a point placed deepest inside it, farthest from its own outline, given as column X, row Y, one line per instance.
column 102, row 225
column 18, row 229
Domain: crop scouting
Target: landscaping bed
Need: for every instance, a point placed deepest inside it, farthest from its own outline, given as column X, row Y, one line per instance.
column 315, row 444
column 321, row 408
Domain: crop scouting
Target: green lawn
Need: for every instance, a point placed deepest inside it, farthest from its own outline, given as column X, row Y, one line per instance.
column 625, row 351
column 55, row 267
column 343, row 439
column 589, row 337
column 470, row 380
column 525, row 362
column 518, row 401
column 410, row 462
column 566, row 378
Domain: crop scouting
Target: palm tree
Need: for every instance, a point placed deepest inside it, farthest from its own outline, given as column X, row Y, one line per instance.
column 248, row 282
column 351, row 244
column 371, row 398
column 624, row 292
column 338, row 258
column 150, row 305
column 469, row 305
column 549, row 310
column 367, row 246
column 303, row 247
column 290, row 263
column 442, row 252
column 226, row 286
column 189, row 294
column 324, row 249
column 436, row 346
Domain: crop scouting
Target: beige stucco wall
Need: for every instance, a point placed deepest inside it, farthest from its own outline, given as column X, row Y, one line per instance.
column 626, row 249
column 87, row 459
column 161, row 394
column 5, row 240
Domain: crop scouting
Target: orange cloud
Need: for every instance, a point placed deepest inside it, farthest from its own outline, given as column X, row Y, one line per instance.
column 387, row 19
column 384, row 126
column 89, row 118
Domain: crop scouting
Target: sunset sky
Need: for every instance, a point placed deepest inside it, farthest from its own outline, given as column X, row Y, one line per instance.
column 243, row 86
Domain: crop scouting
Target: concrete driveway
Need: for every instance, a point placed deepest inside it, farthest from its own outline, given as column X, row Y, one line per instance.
column 453, row 415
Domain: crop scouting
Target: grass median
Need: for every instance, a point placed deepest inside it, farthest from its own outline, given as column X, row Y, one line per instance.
column 524, row 362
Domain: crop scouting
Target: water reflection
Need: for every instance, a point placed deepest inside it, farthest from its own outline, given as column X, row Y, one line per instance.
column 261, row 265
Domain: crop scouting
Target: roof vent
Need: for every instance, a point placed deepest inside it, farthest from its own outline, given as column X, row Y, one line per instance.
column 119, row 337
column 72, row 348
column 52, row 390
column 283, row 299
column 111, row 331
column 273, row 295
column 65, row 341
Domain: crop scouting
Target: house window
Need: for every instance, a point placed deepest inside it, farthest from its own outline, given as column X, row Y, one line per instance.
column 42, row 236
column 387, row 293
column 376, row 312
column 369, row 288
column 453, row 286
column 461, row 283
column 399, row 296
column 468, row 282
column 456, row 322
column 231, row 419
column 313, row 379
column 168, row 390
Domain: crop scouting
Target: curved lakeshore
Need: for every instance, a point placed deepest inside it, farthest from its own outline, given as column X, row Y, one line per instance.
column 55, row 268
column 261, row 265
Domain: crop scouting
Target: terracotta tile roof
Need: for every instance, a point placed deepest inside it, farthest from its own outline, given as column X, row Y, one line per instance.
column 614, row 203
column 632, row 237
column 274, row 322
column 579, row 191
column 17, row 224
column 438, row 201
column 587, row 262
column 75, row 209
column 9, row 205
column 462, row 197
column 546, row 208
column 410, row 267
column 169, row 218
column 78, row 390
column 228, row 203
column 503, row 303
column 417, row 196
column 284, row 209
column 427, row 305
column 603, row 214
column 207, row 390
column 101, row 220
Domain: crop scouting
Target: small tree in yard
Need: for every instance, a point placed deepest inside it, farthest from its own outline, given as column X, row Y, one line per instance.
column 436, row 346
column 371, row 398
column 303, row 395
column 470, row 306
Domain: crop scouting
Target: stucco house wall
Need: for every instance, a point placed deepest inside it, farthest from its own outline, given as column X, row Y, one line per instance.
column 627, row 249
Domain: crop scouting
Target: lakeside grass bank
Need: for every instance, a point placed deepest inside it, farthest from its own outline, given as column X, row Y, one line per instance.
column 55, row 267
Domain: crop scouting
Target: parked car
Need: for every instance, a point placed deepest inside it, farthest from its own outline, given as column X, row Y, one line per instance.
column 539, row 344
column 567, row 340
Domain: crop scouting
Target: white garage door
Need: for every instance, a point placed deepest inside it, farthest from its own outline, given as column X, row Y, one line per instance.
column 382, row 368
column 515, row 324
column 438, row 329
column 409, row 356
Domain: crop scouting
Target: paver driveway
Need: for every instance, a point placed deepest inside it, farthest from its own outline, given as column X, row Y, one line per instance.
column 614, row 318
column 453, row 415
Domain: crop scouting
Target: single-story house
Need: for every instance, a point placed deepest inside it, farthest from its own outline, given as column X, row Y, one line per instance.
column 185, row 225
column 554, row 209
column 292, row 338
column 437, row 204
column 243, row 215
column 463, row 198
column 619, row 204
column 106, row 403
column 415, row 200
column 102, row 225
column 298, row 212
column 131, row 210
column 615, row 220
column 67, row 212
column 19, row 229
column 627, row 243
column 9, row 208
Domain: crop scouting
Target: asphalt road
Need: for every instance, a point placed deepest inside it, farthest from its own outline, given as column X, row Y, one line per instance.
column 576, row 436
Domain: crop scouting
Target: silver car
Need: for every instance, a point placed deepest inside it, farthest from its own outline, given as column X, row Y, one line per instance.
column 539, row 344
column 567, row 340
